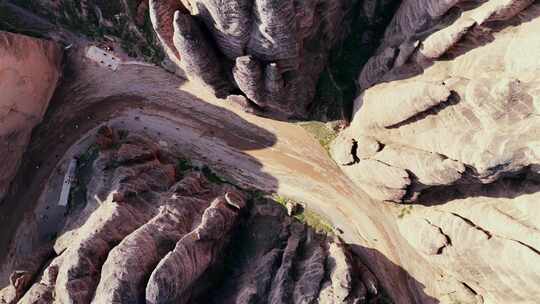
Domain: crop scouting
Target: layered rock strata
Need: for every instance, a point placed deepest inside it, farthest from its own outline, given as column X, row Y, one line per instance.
column 272, row 51
column 153, row 231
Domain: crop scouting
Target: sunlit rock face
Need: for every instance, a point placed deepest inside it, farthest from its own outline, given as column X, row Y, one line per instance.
column 272, row 51
column 29, row 72
column 151, row 228
column 448, row 118
column 459, row 107
column 488, row 240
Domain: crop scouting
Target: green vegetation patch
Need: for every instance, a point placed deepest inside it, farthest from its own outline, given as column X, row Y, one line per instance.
column 306, row 216
column 321, row 131
column 83, row 174
column 404, row 211
column 183, row 166
column 98, row 20
column 315, row 221
column 213, row 177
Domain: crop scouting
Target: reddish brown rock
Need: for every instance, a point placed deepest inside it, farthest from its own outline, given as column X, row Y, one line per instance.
column 29, row 72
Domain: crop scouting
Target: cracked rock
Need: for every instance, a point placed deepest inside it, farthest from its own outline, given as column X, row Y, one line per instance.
column 465, row 120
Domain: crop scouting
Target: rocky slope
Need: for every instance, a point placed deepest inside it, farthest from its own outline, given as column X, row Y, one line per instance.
column 488, row 239
column 448, row 119
column 272, row 51
column 151, row 229
column 460, row 107
column 29, row 72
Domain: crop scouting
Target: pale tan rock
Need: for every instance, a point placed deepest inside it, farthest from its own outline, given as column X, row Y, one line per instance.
column 477, row 224
column 422, row 235
column 418, row 18
column 491, row 244
column 347, row 148
column 347, row 281
column 466, row 120
column 342, row 149
column 367, row 147
column 440, row 42
column 429, row 168
column 381, row 180
column 298, row 166
column 389, row 107
column 340, row 274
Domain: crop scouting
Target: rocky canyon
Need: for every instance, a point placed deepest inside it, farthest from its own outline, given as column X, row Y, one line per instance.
column 270, row 151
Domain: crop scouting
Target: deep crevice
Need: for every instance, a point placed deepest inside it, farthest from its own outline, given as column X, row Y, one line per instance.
column 469, row 288
column 472, row 224
column 447, row 237
column 452, row 100
column 470, row 185
column 336, row 88
column 354, row 151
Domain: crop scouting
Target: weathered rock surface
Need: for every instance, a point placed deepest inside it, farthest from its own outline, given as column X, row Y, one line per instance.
column 417, row 261
column 470, row 118
column 449, row 119
column 29, row 72
column 24, row 273
column 292, row 265
column 168, row 234
column 489, row 240
column 273, row 51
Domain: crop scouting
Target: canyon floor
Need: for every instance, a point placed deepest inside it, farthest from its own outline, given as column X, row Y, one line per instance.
column 260, row 151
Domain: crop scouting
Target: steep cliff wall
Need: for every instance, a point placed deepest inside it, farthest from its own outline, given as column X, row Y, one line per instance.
column 29, row 72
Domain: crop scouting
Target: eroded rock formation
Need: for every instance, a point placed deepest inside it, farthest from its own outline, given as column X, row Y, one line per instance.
column 470, row 116
column 448, row 120
column 488, row 240
column 29, row 72
column 153, row 231
column 273, row 51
